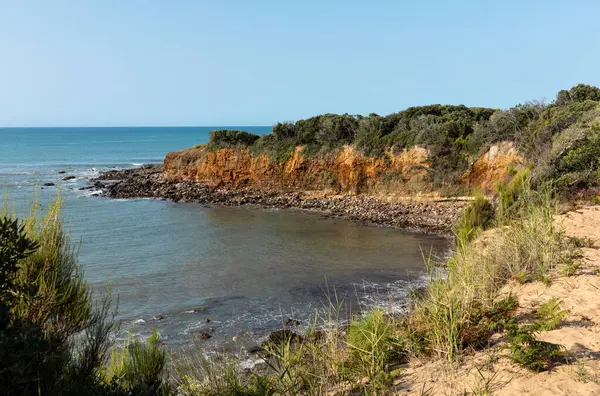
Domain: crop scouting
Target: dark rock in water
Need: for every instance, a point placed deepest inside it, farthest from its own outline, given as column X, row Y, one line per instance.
column 95, row 195
column 316, row 336
column 207, row 320
column 69, row 178
column 282, row 336
column 254, row 349
column 48, row 184
column 291, row 322
column 204, row 335
column 61, row 172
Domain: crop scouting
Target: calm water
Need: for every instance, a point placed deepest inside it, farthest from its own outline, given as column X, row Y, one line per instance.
column 185, row 268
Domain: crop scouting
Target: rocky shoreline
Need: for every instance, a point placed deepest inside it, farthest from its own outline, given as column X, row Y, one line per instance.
column 148, row 181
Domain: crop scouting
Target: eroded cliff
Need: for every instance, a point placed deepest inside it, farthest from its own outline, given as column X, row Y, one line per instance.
column 343, row 171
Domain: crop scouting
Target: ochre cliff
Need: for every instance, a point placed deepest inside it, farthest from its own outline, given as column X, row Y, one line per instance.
column 344, row 171
column 494, row 166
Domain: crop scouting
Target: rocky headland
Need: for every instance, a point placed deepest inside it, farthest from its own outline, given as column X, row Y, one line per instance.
column 342, row 183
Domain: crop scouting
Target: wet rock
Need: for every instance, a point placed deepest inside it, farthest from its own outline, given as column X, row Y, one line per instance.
column 291, row 322
column 48, row 184
column 254, row 349
column 69, row 177
column 317, row 336
column 61, row 172
column 204, row 336
column 282, row 336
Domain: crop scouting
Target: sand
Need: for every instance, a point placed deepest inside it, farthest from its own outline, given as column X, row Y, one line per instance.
column 579, row 333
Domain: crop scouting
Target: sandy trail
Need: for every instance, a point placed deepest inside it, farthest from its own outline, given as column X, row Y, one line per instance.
column 579, row 334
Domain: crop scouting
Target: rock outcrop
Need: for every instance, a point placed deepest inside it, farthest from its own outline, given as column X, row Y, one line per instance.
column 494, row 166
column 343, row 171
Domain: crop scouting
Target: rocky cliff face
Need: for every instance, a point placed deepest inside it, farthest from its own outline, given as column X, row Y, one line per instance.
column 345, row 171
column 494, row 166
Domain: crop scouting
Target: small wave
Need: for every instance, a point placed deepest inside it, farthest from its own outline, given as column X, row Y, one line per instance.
column 17, row 174
column 139, row 321
column 136, row 164
column 391, row 296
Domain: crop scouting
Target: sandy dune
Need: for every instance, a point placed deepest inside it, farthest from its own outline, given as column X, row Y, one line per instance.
column 579, row 334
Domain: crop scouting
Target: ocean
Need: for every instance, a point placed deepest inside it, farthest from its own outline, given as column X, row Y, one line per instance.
column 186, row 268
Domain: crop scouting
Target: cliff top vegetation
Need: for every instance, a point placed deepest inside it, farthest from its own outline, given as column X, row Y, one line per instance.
column 559, row 139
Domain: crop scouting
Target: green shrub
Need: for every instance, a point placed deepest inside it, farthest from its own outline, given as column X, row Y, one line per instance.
column 230, row 138
column 140, row 368
column 529, row 352
column 509, row 193
column 578, row 93
column 369, row 340
column 477, row 216
column 549, row 315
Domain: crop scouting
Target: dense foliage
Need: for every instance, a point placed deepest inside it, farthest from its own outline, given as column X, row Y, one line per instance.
column 560, row 139
column 227, row 138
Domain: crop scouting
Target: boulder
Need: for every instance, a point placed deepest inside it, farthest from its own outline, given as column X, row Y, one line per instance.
column 291, row 322
column 282, row 336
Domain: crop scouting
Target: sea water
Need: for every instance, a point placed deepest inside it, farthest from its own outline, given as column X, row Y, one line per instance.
column 186, row 268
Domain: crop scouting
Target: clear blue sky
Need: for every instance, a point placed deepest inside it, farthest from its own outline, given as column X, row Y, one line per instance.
column 226, row 62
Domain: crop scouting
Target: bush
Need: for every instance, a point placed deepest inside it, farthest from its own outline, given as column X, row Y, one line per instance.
column 475, row 217
column 140, row 369
column 525, row 349
column 574, row 161
column 370, row 342
column 578, row 93
column 230, row 138
column 529, row 352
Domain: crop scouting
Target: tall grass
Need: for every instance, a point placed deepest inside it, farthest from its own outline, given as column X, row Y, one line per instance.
column 525, row 246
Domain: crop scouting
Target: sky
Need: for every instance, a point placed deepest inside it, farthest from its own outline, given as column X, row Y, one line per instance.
column 242, row 62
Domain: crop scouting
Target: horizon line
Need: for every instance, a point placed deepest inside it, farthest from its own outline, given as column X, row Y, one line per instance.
column 135, row 126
